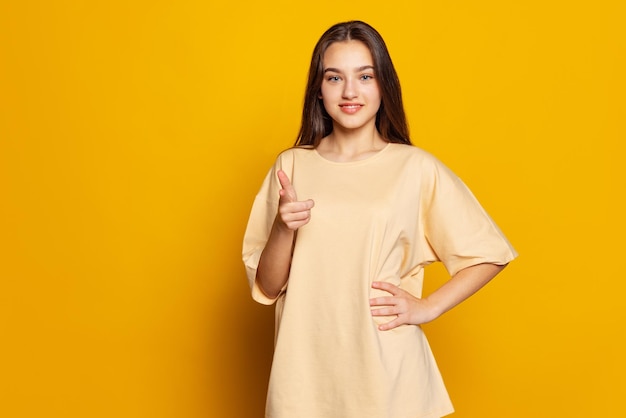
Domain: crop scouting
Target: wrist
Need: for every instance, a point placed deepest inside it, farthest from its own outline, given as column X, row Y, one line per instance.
column 434, row 309
column 282, row 230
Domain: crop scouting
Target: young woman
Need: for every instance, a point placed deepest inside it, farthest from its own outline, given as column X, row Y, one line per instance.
column 339, row 235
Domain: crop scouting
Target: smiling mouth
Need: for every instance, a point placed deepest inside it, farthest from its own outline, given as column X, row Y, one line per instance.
column 350, row 108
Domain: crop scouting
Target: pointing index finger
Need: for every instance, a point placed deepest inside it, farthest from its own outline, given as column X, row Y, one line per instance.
column 287, row 189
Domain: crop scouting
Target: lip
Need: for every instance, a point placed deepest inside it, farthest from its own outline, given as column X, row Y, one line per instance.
column 350, row 108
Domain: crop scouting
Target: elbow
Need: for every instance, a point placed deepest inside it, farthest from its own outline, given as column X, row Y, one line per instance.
column 270, row 292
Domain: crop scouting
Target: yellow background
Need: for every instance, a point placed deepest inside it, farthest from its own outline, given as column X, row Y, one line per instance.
column 134, row 135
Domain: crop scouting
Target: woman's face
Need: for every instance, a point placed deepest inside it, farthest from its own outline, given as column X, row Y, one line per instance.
column 350, row 90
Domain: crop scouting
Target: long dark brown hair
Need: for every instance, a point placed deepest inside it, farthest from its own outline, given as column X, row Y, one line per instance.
column 390, row 118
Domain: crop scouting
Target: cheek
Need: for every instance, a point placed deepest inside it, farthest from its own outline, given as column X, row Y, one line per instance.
column 324, row 91
column 375, row 93
column 326, row 105
column 325, row 96
column 377, row 97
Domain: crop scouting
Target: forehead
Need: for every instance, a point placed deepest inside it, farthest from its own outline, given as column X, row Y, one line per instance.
column 347, row 54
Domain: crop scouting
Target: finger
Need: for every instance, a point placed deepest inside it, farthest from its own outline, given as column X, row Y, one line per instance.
column 391, row 324
column 294, row 225
column 295, row 211
column 388, row 287
column 296, row 216
column 383, row 301
column 386, row 311
column 302, row 206
column 287, row 191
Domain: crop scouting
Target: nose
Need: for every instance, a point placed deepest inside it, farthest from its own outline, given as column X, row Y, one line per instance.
column 350, row 90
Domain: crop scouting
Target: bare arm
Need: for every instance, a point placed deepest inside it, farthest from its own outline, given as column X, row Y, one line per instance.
column 412, row 310
column 273, row 269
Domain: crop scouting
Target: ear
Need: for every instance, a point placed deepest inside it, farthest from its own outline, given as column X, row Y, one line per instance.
column 319, row 95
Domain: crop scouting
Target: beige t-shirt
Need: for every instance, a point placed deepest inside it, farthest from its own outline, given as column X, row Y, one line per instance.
column 379, row 219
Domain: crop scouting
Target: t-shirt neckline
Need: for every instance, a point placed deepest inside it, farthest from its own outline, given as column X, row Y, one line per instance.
column 356, row 162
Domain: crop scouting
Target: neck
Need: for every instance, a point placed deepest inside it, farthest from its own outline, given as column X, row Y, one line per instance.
column 351, row 145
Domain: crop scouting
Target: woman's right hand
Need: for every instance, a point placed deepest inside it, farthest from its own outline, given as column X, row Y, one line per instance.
column 273, row 269
column 292, row 213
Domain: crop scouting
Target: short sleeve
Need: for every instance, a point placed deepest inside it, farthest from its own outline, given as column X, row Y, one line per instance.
column 260, row 223
column 457, row 228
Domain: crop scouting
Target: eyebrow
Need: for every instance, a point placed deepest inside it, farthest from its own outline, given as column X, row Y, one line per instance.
column 363, row 68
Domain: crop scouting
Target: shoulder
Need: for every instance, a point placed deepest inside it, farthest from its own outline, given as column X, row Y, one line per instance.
column 415, row 156
column 423, row 166
column 295, row 151
column 291, row 157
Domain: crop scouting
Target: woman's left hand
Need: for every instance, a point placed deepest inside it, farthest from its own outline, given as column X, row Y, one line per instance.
column 412, row 310
column 409, row 310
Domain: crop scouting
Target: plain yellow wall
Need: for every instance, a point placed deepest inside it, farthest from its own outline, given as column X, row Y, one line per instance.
column 134, row 135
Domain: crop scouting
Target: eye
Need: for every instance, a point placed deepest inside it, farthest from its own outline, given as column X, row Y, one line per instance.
column 334, row 78
column 366, row 77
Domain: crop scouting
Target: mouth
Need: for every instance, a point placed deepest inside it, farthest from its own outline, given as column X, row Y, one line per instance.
column 350, row 107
